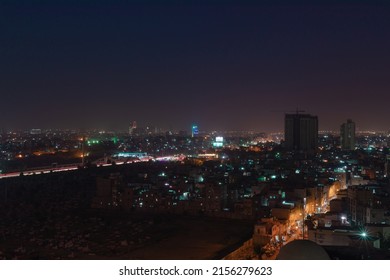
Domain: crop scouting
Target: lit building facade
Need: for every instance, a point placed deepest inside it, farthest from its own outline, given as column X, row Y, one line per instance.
column 194, row 131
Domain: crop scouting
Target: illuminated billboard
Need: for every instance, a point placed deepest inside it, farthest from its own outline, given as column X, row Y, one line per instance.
column 218, row 143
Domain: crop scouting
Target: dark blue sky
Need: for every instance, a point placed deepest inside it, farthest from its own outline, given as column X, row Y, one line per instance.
column 221, row 64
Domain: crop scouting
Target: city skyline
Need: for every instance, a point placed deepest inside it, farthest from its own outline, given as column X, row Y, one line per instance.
column 187, row 130
column 239, row 65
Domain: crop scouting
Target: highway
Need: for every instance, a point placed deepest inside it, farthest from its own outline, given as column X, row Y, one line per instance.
column 75, row 166
column 46, row 170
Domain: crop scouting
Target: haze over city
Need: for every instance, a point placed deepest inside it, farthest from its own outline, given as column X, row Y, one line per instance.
column 195, row 130
column 238, row 65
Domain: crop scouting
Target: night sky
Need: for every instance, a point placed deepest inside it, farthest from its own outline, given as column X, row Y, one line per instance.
column 220, row 64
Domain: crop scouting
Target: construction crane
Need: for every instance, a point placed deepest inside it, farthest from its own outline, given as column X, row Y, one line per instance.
column 297, row 111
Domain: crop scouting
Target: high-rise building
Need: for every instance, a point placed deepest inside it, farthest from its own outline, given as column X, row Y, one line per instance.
column 194, row 131
column 132, row 128
column 301, row 132
column 347, row 136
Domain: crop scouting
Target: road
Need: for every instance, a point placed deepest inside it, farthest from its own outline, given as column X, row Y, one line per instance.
column 45, row 170
column 74, row 166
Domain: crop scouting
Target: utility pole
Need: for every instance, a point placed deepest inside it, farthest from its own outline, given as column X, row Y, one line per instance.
column 303, row 218
column 5, row 194
column 83, row 151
